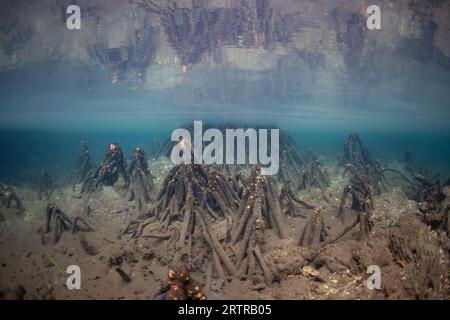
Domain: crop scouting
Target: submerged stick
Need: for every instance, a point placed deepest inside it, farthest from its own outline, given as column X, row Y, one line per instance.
column 218, row 266
column 161, row 236
column 125, row 277
column 340, row 235
column 268, row 277
column 274, row 207
column 216, row 246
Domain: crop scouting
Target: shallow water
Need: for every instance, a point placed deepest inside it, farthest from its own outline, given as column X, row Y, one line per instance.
column 29, row 151
column 132, row 75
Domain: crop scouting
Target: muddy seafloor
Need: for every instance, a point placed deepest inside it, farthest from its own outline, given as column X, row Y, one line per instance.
column 413, row 259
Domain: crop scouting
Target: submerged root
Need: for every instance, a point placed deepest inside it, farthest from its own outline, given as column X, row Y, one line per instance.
column 315, row 231
column 208, row 188
column 360, row 190
column 57, row 220
column 293, row 166
column 76, row 226
column 365, row 226
column 82, row 166
column 107, row 173
column 8, row 197
column 235, row 248
column 291, row 203
column 141, row 185
column 261, row 189
column 47, row 187
column 357, row 157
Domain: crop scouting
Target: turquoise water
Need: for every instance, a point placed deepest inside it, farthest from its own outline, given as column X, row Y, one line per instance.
column 27, row 151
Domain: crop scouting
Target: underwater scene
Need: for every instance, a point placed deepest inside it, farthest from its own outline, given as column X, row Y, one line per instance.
column 224, row 150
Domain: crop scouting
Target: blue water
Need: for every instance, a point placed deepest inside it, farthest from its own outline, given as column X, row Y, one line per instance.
column 45, row 115
column 27, row 151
